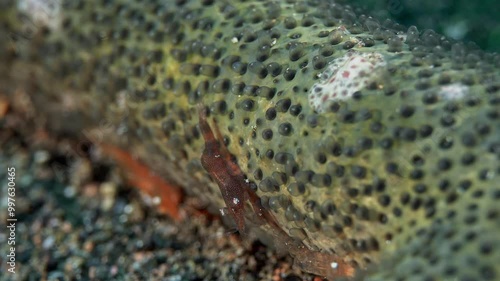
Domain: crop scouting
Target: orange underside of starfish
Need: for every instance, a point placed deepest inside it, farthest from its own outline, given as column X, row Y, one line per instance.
column 140, row 176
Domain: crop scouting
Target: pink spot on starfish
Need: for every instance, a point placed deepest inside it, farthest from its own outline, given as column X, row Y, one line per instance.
column 345, row 76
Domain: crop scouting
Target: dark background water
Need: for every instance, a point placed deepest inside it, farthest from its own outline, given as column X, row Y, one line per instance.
column 465, row 20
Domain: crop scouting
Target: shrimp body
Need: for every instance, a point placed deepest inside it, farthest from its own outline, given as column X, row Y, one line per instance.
column 216, row 160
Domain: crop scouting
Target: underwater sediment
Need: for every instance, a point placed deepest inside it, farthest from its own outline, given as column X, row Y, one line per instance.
column 376, row 143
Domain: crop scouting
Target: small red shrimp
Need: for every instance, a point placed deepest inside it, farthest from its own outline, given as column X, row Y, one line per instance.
column 236, row 190
column 217, row 162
